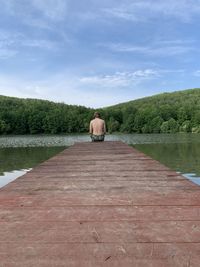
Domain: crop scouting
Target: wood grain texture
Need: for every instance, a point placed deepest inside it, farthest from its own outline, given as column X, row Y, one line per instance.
column 100, row 204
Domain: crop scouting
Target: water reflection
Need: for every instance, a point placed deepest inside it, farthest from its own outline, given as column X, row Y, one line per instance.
column 181, row 157
column 25, row 157
column 15, row 162
column 8, row 177
column 192, row 177
column 180, row 152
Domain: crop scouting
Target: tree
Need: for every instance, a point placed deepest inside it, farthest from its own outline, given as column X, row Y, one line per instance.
column 113, row 125
column 2, row 127
column 164, row 127
column 170, row 126
column 168, row 112
column 129, row 125
column 139, row 122
column 185, row 127
column 182, row 115
column 173, row 126
column 154, row 125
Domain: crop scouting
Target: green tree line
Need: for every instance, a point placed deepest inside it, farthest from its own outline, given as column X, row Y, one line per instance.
column 165, row 113
column 32, row 116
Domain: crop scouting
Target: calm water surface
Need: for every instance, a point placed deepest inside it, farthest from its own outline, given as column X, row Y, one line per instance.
column 16, row 161
column 18, row 154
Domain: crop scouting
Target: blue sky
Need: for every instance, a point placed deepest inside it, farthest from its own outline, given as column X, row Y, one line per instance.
column 98, row 53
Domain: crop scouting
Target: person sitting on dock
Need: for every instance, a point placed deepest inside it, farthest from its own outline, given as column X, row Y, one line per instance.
column 97, row 128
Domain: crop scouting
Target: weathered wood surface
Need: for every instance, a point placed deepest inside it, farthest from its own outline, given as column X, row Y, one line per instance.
column 100, row 204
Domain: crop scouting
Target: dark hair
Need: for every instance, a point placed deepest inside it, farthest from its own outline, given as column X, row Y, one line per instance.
column 97, row 115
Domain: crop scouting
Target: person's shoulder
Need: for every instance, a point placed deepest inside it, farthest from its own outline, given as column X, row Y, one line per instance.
column 102, row 120
column 92, row 121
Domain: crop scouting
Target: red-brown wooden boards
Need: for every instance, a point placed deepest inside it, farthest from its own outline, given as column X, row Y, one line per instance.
column 100, row 204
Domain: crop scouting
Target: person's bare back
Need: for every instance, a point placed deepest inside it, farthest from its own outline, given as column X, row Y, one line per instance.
column 97, row 128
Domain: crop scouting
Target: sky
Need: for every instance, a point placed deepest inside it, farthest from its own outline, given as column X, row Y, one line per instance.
column 98, row 53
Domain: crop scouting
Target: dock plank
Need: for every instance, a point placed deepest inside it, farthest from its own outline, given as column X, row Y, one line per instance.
column 100, row 204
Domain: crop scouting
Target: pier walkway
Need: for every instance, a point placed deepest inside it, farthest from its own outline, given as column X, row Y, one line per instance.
column 100, row 204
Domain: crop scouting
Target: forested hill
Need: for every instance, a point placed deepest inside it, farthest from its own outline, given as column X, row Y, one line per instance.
column 32, row 116
column 164, row 113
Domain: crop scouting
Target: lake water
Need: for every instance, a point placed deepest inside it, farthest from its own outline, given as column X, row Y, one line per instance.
column 18, row 154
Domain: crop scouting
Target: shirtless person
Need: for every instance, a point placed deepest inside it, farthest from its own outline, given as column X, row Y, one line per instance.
column 97, row 128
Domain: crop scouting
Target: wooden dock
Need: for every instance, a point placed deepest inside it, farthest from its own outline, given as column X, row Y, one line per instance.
column 100, row 204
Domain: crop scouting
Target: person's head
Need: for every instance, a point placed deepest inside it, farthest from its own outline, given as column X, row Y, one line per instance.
column 97, row 115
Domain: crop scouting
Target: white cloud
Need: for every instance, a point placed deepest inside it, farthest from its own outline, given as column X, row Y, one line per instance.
column 196, row 73
column 143, row 10
column 7, row 44
column 159, row 48
column 12, row 43
column 38, row 23
column 122, row 13
column 93, row 91
column 7, row 53
column 55, row 89
column 44, row 44
column 4, row 38
column 119, row 79
column 52, row 9
column 47, row 16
